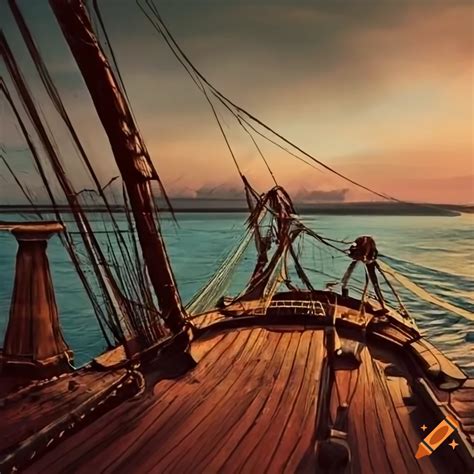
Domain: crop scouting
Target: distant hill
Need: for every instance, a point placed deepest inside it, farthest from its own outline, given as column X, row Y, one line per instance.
column 238, row 205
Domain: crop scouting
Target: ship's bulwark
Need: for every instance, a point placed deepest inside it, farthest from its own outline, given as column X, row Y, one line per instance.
column 252, row 404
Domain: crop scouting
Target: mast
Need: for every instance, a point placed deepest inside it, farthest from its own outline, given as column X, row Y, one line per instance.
column 131, row 155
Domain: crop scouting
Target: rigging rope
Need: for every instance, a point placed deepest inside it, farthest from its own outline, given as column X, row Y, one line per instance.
column 245, row 119
column 196, row 79
column 233, row 107
column 57, row 102
column 240, row 113
column 120, row 309
column 65, row 238
column 130, row 108
column 207, row 297
column 422, row 293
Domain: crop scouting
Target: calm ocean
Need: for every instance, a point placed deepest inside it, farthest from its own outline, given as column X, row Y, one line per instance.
column 437, row 253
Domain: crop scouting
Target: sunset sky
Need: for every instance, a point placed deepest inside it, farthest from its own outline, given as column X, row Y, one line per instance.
column 382, row 91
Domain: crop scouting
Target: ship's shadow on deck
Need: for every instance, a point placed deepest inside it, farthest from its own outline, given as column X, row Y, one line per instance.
column 255, row 403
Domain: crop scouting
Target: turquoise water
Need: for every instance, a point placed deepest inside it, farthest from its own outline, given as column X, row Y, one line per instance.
column 435, row 252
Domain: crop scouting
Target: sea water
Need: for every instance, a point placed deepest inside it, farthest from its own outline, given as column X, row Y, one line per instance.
column 437, row 253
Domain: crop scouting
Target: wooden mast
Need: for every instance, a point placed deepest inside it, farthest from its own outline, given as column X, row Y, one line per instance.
column 128, row 147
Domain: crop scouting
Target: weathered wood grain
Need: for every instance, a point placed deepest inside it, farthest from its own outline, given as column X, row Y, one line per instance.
column 23, row 417
column 250, row 405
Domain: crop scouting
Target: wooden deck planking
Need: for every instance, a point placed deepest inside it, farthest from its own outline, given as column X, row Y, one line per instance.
column 45, row 404
column 122, row 423
column 185, row 398
column 298, row 440
column 264, row 369
column 250, row 406
column 181, row 443
column 462, row 402
column 294, row 421
column 267, row 435
column 409, row 418
column 376, row 443
column 393, row 391
column 220, row 419
column 357, row 433
column 261, row 414
column 400, row 462
column 345, row 384
column 243, row 427
column 139, row 416
column 124, row 430
column 375, row 432
column 206, row 319
column 205, row 346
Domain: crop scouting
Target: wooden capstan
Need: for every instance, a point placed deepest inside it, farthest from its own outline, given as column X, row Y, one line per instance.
column 34, row 345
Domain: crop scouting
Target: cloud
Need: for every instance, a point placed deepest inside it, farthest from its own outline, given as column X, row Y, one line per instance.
column 220, row 192
column 335, row 195
column 236, row 193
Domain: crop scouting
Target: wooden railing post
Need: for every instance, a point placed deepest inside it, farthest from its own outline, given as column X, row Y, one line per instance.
column 34, row 345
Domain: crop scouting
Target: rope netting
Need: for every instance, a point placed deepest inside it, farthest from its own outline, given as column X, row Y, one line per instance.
column 208, row 296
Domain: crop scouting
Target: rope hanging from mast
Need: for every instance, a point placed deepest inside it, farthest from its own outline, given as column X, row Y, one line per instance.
column 241, row 114
column 90, row 242
column 130, row 152
column 280, row 234
column 135, row 285
column 249, row 124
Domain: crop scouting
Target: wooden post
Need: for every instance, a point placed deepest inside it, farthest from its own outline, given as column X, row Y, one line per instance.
column 34, row 345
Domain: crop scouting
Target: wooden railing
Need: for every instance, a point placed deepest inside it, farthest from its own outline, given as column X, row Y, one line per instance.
column 297, row 307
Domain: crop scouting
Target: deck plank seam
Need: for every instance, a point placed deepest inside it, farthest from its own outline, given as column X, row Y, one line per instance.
column 189, row 412
column 221, row 400
column 257, row 414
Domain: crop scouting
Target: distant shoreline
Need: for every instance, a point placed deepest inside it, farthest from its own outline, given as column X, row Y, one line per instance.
column 237, row 206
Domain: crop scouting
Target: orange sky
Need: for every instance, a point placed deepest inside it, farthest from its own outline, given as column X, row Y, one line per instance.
column 381, row 91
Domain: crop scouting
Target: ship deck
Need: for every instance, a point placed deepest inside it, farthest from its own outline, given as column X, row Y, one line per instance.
column 255, row 403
